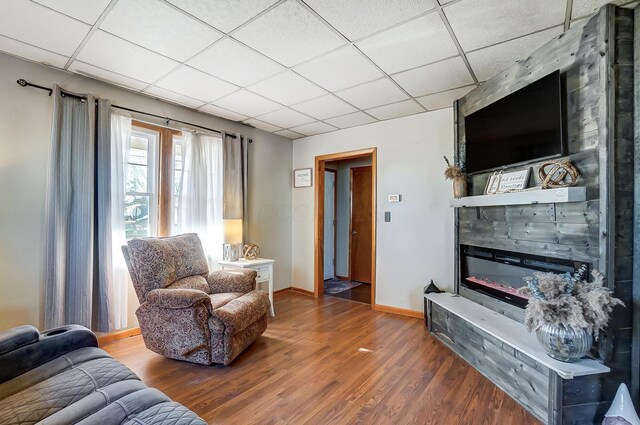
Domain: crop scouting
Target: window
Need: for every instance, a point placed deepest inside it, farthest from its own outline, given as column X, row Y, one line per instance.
column 150, row 189
column 141, row 200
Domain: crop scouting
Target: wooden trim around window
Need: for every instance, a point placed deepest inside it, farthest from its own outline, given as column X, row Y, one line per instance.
column 165, row 173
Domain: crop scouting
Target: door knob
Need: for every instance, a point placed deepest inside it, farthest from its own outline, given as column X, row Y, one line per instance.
column 354, row 233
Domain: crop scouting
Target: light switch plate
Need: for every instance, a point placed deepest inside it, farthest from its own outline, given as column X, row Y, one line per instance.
column 395, row 198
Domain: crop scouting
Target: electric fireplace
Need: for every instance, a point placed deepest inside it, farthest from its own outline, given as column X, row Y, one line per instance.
column 500, row 274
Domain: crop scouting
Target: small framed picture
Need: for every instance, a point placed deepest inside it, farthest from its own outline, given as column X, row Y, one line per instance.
column 514, row 181
column 302, row 177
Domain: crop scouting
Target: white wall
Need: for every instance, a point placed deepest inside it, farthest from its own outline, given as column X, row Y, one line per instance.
column 418, row 243
column 25, row 125
column 343, row 209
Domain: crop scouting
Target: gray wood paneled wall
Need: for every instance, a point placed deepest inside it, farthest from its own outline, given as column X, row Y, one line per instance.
column 635, row 347
column 596, row 62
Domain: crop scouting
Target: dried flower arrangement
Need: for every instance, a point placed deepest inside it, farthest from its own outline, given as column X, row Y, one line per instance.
column 568, row 301
column 453, row 171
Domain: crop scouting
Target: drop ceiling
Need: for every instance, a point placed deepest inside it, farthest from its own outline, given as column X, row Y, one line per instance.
column 292, row 67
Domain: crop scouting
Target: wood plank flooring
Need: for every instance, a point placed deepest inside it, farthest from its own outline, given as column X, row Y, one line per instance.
column 331, row 361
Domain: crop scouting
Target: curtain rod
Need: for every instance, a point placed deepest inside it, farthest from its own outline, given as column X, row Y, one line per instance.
column 24, row 83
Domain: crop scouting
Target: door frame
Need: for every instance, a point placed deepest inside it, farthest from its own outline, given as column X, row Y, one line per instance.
column 351, row 210
column 318, row 250
column 335, row 219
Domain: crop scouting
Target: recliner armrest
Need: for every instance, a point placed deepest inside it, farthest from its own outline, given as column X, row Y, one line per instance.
column 239, row 313
column 177, row 298
column 236, row 280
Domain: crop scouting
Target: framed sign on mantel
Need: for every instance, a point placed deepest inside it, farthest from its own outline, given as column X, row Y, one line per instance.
column 302, row 177
column 501, row 182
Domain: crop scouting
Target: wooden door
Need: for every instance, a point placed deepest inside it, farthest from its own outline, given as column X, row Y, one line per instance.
column 361, row 224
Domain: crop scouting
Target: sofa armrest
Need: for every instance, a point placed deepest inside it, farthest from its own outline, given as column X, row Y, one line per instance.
column 235, row 280
column 177, row 298
column 239, row 313
column 49, row 345
column 12, row 339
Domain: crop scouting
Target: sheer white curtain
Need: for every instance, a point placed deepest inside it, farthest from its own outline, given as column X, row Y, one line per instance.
column 200, row 198
column 120, row 145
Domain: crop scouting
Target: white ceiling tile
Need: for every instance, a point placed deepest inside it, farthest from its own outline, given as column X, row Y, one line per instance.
column 439, row 76
column 444, row 99
column 289, row 34
column 578, row 22
column 173, row 97
column 480, row 23
column 223, row 113
column 34, row 24
column 287, row 88
column 159, row 27
column 584, row 8
column 351, row 120
column 490, row 61
column 27, row 51
column 359, row 18
column 313, row 128
column 324, row 107
column 285, row 118
column 339, row 69
column 418, row 42
column 196, row 84
column 114, row 54
column 375, row 93
column 224, row 14
column 290, row 134
column 86, row 11
column 104, row 75
column 247, row 103
column 262, row 125
column 443, row 2
column 235, row 63
column 395, row 110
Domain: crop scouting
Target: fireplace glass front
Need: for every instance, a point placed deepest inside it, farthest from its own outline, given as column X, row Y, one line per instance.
column 501, row 273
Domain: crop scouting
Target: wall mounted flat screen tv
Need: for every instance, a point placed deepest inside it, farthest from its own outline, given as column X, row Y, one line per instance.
column 521, row 127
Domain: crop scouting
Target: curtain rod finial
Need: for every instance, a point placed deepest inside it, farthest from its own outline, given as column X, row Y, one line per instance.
column 22, row 82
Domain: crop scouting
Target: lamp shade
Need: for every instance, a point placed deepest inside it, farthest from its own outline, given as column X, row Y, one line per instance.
column 232, row 231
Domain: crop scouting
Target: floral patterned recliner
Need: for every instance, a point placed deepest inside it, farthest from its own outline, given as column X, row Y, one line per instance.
column 187, row 313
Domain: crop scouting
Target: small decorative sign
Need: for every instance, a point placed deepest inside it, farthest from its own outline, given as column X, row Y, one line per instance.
column 493, row 183
column 302, row 177
column 501, row 182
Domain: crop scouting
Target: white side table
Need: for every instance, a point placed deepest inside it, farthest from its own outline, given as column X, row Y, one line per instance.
column 263, row 266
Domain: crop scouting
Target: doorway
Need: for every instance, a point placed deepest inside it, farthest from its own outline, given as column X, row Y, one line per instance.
column 345, row 225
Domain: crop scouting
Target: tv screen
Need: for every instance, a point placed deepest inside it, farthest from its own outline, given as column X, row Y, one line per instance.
column 524, row 126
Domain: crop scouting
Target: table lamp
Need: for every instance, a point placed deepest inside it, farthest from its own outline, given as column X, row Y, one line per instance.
column 232, row 247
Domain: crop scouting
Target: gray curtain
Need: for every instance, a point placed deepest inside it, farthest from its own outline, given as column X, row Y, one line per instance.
column 77, row 269
column 236, row 180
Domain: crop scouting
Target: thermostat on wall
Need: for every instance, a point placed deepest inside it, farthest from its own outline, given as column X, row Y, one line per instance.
column 395, row 198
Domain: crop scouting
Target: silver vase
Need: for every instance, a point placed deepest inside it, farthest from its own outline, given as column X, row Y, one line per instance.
column 564, row 344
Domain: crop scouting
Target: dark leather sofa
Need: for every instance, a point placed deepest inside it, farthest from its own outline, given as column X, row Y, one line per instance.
column 61, row 377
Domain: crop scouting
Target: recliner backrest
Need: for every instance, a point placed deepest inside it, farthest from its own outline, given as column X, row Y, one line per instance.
column 158, row 262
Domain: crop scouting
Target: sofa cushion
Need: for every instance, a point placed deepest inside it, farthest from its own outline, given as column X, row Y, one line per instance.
column 54, row 393
column 191, row 282
column 218, row 300
column 159, row 262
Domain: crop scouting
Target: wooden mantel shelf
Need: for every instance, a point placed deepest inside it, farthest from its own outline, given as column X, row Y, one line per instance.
column 527, row 197
column 513, row 334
